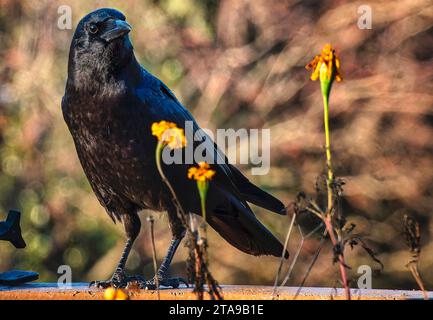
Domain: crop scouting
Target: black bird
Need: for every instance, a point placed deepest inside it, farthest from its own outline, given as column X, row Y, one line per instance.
column 109, row 105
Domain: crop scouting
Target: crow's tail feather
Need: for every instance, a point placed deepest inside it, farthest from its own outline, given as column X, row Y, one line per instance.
column 255, row 195
column 244, row 231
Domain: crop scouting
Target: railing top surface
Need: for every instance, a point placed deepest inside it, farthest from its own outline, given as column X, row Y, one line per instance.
column 81, row 291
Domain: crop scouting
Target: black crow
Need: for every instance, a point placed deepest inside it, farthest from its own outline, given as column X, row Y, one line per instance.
column 109, row 105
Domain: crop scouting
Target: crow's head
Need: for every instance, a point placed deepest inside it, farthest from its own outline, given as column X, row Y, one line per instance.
column 100, row 45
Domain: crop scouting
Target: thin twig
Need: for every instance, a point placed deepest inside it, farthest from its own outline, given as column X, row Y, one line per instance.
column 155, row 264
column 316, row 206
column 312, row 263
column 176, row 201
column 283, row 254
column 298, row 251
column 295, row 259
column 412, row 233
column 415, row 273
column 315, row 212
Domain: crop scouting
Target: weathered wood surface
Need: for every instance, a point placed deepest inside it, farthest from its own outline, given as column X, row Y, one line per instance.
column 81, row 291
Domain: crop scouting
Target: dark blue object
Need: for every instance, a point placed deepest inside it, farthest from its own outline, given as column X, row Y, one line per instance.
column 17, row 277
column 10, row 230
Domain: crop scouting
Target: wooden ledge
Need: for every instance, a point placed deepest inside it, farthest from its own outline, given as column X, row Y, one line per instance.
column 81, row 291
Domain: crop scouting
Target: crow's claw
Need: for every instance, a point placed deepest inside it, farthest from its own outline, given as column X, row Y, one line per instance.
column 102, row 284
column 165, row 282
column 119, row 280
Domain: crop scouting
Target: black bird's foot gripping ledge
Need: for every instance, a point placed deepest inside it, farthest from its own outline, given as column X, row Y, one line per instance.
column 165, row 282
column 121, row 280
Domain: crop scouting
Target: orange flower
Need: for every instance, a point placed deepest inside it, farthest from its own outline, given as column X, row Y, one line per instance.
column 201, row 173
column 327, row 64
column 169, row 134
column 115, row 294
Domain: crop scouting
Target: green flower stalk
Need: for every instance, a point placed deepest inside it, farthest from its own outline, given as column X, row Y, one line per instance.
column 325, row 85
column 203, row 186
column 202, row 174
column 168, row 134
column 326, row 68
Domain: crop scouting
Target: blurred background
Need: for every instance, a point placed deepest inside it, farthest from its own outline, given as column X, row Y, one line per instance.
column 234, row 64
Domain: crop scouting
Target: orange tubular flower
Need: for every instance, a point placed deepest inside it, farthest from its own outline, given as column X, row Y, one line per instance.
column 201, row 173
column 169, row 134
column 326, row 65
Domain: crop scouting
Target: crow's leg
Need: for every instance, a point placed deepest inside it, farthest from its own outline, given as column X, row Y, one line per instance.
column 178, row 231
column 132, row 225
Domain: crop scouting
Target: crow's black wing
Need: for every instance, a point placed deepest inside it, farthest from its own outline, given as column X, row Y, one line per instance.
column 254, row 194
column 228, row 175
column 231, row 216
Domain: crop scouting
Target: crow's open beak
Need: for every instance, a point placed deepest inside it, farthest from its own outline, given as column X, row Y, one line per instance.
column 116, row 29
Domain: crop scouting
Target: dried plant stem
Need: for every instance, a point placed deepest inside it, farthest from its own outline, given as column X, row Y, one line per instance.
column 202, row 274
column 341, row 261
column 298, row 251
column 155, row 264
column 159, row 148
column 327, row 219
column 286, row 243
column 315, row 212
column 312, row 263
column 415, row 273
column 295, row 259
column 198, row 274
column 412, row 233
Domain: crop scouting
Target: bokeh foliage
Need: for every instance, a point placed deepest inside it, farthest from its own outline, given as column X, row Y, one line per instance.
column 233, row 64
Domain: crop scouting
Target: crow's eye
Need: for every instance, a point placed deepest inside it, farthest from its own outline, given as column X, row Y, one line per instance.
column 93, row 28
